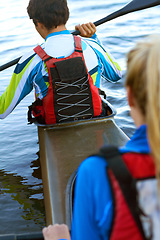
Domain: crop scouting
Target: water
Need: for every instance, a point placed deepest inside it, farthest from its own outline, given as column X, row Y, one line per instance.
column 21, row 192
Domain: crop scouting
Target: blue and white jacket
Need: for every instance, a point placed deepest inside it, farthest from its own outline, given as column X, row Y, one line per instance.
column 31, row 73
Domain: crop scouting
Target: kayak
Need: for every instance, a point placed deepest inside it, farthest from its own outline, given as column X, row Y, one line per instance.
column 63, row 146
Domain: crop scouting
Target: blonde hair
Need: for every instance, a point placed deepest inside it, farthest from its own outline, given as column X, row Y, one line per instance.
column 143, row 76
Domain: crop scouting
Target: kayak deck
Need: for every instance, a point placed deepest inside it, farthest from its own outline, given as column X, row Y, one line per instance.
column 62, row 148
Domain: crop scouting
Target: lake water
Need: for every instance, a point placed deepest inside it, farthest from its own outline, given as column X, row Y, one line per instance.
column 21, row 191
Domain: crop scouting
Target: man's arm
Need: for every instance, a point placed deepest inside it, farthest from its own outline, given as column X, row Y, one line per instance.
column 110, row 69
column 21, row 83
column 18, row 88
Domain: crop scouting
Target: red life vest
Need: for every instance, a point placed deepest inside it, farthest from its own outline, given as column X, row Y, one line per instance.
column 126, row 223
column 71, row 93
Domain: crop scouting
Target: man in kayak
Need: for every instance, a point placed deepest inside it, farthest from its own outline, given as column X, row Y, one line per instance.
column 65, row 71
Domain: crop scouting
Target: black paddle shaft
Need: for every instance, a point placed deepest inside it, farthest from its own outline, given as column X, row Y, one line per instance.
column 9, row 64
column 134, row 5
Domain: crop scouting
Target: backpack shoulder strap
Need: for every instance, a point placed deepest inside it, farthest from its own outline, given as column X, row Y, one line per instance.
column 126, row 181
column 42, row 54
column 78, row 46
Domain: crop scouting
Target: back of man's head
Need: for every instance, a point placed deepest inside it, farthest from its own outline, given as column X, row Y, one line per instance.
column 51, row 13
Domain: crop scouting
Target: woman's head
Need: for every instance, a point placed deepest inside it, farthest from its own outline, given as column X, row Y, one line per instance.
column 143, row 69
column 51, row 13
column 143, row 78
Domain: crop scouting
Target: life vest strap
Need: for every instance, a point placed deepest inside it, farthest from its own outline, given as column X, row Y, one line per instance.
column 78, row 46
column 45, row 57
column 41, row 53
column 126, row 182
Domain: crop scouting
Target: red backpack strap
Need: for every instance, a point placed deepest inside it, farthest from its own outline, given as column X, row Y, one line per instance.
column 78, row 45
column 41, row 53
column 126, row 181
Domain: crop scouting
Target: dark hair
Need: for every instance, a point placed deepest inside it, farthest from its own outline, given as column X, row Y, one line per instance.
column 51, row 13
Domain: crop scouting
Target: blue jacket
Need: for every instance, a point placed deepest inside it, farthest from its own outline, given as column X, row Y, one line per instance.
column 93, row 206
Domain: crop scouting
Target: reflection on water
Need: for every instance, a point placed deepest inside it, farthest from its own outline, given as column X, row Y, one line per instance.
column 18, row 198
